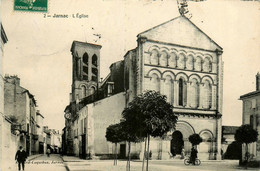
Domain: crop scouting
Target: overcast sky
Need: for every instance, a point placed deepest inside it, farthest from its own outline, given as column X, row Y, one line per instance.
column 38, row 48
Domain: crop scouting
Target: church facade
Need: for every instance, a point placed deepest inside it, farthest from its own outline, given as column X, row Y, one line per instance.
column 175, row 58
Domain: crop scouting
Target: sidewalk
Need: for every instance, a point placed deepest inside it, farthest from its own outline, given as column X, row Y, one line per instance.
column 31, row 157
column 72, row 159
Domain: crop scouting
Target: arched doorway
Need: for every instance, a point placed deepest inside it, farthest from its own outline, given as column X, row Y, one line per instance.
column 177, row 143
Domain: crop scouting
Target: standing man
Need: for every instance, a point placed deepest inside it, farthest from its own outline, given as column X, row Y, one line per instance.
column 20, row 156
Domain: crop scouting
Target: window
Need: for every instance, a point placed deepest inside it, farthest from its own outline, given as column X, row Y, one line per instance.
column 194, row 93
column 182, row 92
column 181, row 61
column 172, row 60
column 198, row 64
column 207, row 65
column 163, row 59
column 154, row 57
column 168, row 88
column 155, row 83
column 190, row 62
column 207, row 95
column 83, row 91
column 85, row 59
column 94, row 60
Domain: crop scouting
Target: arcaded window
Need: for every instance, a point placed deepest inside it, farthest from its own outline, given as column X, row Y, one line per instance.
column 198, row 63
column 155, row 82
column 154, row 57
column 207, row 95
column 168, row 89
column 207, row 65
column 190, row 64
column 181, row 61
column 172, row 60
column 163, row 58
column 182, row 92
column 194, row 93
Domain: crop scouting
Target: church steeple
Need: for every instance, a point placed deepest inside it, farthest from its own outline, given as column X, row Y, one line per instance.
column 85, row 69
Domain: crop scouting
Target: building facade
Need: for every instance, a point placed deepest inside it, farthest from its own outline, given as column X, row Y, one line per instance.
column 251, row 116
column 176, row 59
column 20, row 105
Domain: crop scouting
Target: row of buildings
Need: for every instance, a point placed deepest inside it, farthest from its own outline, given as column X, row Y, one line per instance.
column 21, row 123
column 27, row 122
column 175, row 58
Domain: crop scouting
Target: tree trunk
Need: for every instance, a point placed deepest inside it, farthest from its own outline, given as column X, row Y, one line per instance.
column 115, row 163
column 116, row 154
column 246, row 155
column 148, row 153
column 144, row 153
column 129, row 156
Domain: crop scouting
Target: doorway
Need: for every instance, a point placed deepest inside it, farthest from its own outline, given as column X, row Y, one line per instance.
column 177, row 143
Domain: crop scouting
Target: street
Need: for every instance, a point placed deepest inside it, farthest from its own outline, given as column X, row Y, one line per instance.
column 44, row 163
column 154, row 165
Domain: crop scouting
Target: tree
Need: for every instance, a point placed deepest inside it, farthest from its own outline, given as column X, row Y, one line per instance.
column 129, row 134
column 246, row 134
column 151, row 115
column 195, row 139
column 113, row 134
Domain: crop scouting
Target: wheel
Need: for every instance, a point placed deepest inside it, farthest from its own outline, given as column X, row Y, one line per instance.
column 186, row 161
column 197, row 162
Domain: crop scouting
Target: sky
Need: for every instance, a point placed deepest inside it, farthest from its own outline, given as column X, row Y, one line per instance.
column 38, row 48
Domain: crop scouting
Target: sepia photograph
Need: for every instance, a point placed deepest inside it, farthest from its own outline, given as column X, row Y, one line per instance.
column 120, row 85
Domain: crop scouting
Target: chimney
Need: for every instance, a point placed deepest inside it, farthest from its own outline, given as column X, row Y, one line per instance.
column 257, row 81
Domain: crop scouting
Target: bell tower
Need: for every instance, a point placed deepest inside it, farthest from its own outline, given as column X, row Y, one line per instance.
column 85, row 69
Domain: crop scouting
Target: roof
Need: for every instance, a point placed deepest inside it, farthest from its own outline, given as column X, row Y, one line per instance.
column 180, row 31
column 229, row 129
column 84, row 44
column 251, row 94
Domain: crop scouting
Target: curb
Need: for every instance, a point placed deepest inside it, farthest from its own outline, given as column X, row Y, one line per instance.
column 34, row 157
column 65, row 164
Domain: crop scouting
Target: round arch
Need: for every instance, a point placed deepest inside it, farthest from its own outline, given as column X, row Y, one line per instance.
column 153, row 47
column 207, row 78
column 207, row 131
column 182, row 74
column 170, row 73
column 154, row 71
column 184, row 127
column 196, row 76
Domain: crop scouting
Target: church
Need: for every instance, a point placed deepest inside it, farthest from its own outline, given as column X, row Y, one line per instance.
column 175, row 58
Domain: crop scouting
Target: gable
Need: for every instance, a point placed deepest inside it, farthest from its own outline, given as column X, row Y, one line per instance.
column 180, row 31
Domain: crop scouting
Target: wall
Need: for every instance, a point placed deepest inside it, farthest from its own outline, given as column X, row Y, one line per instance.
column 106, row 112
column 251, row 107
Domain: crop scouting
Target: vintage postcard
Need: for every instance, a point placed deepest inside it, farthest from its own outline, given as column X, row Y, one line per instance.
column 130, row 85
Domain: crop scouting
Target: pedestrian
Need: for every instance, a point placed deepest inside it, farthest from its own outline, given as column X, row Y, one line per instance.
column 20, row 157
column 48, row 152
column 193, row 155
column 182, row 153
